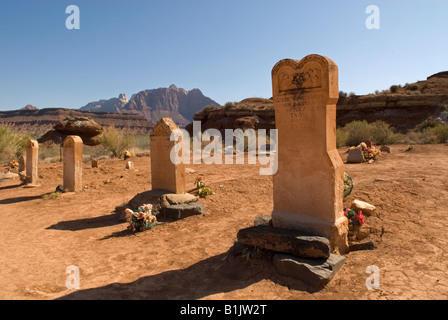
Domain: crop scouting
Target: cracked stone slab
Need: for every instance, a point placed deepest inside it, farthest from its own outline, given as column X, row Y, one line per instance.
column 285, row 241
column 315, row 272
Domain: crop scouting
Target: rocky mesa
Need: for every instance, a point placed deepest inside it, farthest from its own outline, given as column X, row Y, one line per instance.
column 404, row 108
column 40, row 121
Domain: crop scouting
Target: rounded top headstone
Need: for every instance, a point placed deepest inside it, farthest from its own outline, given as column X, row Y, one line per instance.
column 164, row 127
column 32, row 143
column 72, row 140
column 313, row 72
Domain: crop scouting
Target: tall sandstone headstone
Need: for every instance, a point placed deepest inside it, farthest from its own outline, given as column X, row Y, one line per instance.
column 165, row 175
column 72, row 163
column 309, row 183
column 31, row 165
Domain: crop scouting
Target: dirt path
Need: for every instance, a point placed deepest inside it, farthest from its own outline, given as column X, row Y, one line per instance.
column 189, row 258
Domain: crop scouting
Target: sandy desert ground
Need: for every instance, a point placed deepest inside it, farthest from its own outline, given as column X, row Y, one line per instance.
column 190, row 258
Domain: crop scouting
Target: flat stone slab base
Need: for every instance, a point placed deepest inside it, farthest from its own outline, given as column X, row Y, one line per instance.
column 285, row 241
column 172, row 198
column 31, row 185
column 9, row 175
column 314, row 272
column 183, row 210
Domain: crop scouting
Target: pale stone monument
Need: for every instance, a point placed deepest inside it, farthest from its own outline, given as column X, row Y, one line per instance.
column 309, row 183
column 165, row 175
column 72, row 163
column 31, row 165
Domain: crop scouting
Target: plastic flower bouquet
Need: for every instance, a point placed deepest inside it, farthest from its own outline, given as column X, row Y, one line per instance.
column 355, row 218
column 142, row 219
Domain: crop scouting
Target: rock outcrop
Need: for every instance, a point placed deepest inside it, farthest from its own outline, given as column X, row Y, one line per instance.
column 111, row 105
column 173, row 102
column 29, row 107
column 84, row 127
column 253, row 113
column 404, row 110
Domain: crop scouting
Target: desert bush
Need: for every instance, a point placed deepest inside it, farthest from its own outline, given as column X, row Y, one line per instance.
column 343, row 94
column 442, row 107
column 208, row 108
column 393, row 88
column 382, row 133
column 95, row 152
column 427, row 124
column 441, row 132
column 341, row 138
column 412, row 87
column 117, row 141
column 12, row 143
column 229, row 105
column 51, row 150
column 357, row 131
column 425, row 136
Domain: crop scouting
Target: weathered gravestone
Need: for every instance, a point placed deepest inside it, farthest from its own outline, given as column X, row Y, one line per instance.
column 22, row 163
column 385, row 149
column 94, row 163
column 31, row 165
column 165, row 175
column 309, row 183
column 72, row 163
column 355, row 156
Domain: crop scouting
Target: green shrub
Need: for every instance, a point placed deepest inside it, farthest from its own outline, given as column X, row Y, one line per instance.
column 426, row 136
column 382, row 133
column 341, row 138
column 229, row 105
column 393, row 88
column 427, row 124
column 12, row 143
column 117, row 141
column 357, row 131
column 343, row 94
column 412, row 87
column 441, row 132
column 50, row 151
column 442, row 107
column 208, row 108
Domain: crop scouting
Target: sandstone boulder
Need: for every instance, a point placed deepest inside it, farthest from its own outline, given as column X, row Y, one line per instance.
column 366, row 208
column 84, row 127
column 78, row 125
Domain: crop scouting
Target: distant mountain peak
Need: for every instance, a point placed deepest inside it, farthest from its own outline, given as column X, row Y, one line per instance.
column 123, row 98
column 29, row 107
column 172, row 102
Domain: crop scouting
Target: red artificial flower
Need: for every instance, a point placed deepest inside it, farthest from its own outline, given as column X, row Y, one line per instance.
column 359, row 217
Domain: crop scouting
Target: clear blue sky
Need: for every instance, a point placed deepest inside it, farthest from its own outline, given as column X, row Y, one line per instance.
column 225, row 48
